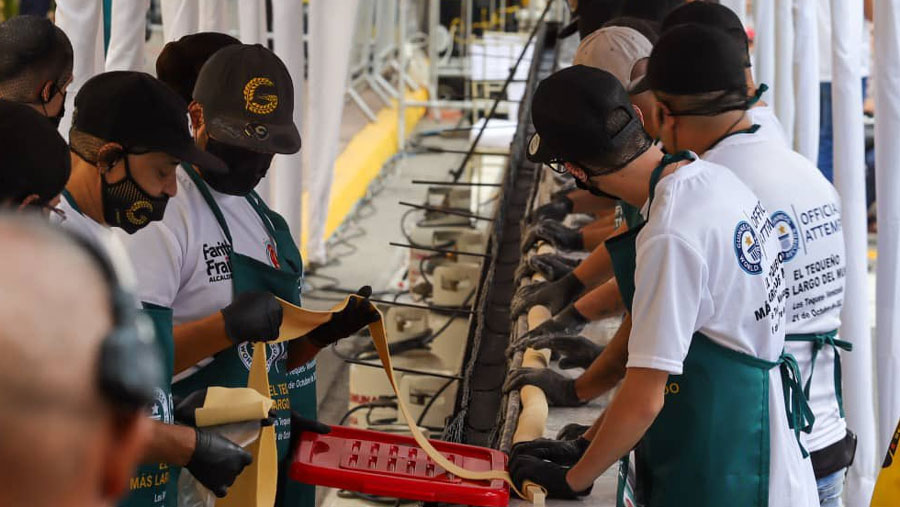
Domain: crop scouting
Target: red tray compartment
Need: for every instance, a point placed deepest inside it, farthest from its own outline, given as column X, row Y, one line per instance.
column 387, row 464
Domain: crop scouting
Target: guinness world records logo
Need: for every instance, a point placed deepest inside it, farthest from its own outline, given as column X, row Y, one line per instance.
column 747, row 249
column 788, row 237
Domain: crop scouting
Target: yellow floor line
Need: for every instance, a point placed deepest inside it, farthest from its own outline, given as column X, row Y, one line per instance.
column 361, row 161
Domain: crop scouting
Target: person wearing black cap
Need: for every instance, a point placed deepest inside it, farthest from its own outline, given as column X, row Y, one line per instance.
column 708, row 114
column 703, row 281
column 123, row 174
column 35, row 164
column 180, row 61
column 222, row 247
column 35, row 64
column 721, row 17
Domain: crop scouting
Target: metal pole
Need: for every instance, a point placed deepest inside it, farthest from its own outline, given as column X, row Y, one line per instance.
column 433, row 22
column 401, row 73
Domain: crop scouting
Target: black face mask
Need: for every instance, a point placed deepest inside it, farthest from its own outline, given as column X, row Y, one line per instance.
column 245, row 168
column 128, row 206
column 594, row 190
column 62, row 108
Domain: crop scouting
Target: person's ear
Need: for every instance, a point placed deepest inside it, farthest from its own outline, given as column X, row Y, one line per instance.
column 198, row 122
column 639, row 113
column 129, row 435
column 46, row 92
column 109, row 155
column 28, row 201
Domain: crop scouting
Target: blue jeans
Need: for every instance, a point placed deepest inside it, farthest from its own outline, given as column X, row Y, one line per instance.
column 830, row 489
column 826, row 129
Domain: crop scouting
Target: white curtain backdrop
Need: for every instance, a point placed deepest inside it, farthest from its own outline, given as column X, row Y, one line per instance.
column 330, row 25
column 887, row 160
column 806, row 79
column 849, row 173
column 179, row 17
column 784, row 66
column 128, row 25
column 212, row 16
column 764, row 52
column 286, row 180
column 252, row 21
column 82, row 21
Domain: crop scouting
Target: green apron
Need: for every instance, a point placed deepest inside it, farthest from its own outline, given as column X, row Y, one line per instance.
column 231, row 367
column 719, row 401
column 818, row 341
column 630, row 215
column 152, row 484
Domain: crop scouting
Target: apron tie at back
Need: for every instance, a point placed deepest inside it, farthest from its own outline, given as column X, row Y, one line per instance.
column 800, row 415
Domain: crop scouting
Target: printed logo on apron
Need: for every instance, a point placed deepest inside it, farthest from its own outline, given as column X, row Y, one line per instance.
column 788, row 236
column 747, row 249
column 273, row 354
column 161, row 410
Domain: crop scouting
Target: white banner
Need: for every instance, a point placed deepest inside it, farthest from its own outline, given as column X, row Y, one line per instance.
column 849, row 177
column 806, row 79
column 887, row 161
column 331, row 23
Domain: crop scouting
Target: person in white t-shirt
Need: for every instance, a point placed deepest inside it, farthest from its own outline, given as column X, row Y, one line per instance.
column 705, row 287
column 123, row 175
column 715, row 124
column 220, row 256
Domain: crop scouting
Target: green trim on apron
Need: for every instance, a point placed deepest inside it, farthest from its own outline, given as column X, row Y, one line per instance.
column 230, row 367
column 630, row 214
column 719, row 401
column 819, row 340
column 757, row 96
column 153, row 484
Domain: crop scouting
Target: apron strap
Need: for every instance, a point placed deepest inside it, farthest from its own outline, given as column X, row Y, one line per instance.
column 71, row 200
column 210, row 201
column 656, row 175
column 800, row 415
column 819, row 340
column 261, row 209
column 763, row 87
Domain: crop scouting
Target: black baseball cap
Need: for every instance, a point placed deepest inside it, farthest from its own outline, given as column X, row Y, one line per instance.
column 180, row 61
column 142, row 114
column 689, row 59
column 714, row 16
column 35, row 157
column 247, row 96
column 582, row 114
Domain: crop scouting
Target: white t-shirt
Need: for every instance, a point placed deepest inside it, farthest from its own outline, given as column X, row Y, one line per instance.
column 769, row 125
column 707, row 261
column 805, row 209
column 183, row 258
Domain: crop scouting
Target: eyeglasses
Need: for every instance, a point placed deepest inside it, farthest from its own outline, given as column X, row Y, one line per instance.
column 558, row 167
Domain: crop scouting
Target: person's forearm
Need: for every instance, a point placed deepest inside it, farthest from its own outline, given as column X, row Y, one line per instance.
column 199, row 339
column 300, row 352
column 592, row 431
column 628, row 417
column 170, row 443
column 596, row 268
column 595, row 236
column 608, row 368
column 585, row 202
column 601, row 302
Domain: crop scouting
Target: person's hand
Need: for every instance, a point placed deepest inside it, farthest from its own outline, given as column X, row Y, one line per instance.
column 556, row 209
column 186, row 409
column 572, row 431
column 554, row 233
column 561, row 452
column 552, row 266
column 554, row 295
column 545, row 473
column 217, row 462
column 572, row 351
column 567, row 322
column 559, row 389
column 358, row 313
column 299, row 424
column 252, row 316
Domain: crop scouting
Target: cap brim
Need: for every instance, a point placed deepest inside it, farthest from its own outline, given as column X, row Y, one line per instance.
column 193, row 155
column 284, row 139
column 538, row 151
column 639, row 85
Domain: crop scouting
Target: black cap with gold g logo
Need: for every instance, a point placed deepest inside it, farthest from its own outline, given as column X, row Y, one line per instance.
column 248, row 99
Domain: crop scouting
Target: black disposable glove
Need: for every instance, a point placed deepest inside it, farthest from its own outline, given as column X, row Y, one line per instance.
column 217, row 462
column 554, row 233
column 358, row 313
column 557, row 209
column 561, row 452
column 252, row 316
column 569, row 321
column 299, row 424
column 552, row 266
column 572, row 431
column 186, row 409
column 559, row 389
column 572, row 351
column 554, row 295
column 545, row 473
column 564, row 190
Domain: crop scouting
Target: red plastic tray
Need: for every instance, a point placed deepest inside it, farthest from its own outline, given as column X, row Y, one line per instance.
column 387, row 464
